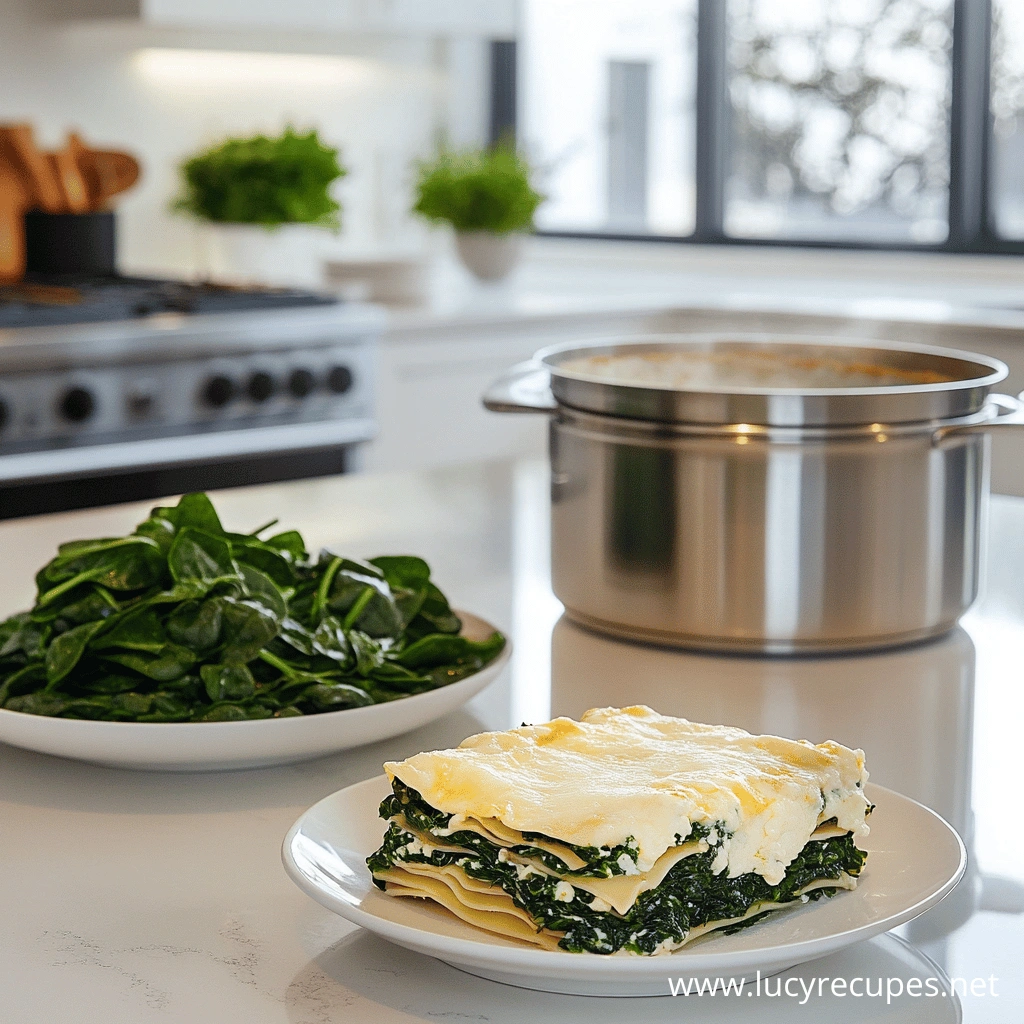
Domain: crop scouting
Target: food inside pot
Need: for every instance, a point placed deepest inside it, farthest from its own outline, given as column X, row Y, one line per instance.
column 748, row 367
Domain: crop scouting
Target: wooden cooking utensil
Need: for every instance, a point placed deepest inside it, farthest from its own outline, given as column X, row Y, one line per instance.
column 106, row 173
column 80, row 153
column 14, row 198
column 65, row 169
column 17, row 144
column 117, row 172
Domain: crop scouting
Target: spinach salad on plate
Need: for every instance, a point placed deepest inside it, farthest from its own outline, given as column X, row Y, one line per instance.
column 183, row 621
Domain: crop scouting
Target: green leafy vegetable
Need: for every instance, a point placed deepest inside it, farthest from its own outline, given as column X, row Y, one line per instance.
column 478, row 190
column 261, row 180
column 185, row 621
column 690, row 895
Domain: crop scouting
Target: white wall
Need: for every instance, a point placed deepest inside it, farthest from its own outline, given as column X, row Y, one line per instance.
column 149, row 91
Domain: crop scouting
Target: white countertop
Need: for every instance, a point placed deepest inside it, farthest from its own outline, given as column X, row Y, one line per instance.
column 137, row 897
column 562, row 279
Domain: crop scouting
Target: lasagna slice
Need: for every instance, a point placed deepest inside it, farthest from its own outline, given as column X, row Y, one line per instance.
column 626, row 831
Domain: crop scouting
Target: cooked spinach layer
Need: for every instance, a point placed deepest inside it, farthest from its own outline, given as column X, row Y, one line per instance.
column 600, row 862
column 690, row 895
column 183, row 621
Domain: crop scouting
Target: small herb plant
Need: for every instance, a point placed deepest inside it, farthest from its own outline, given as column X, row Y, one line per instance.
column 263, row 180
column 478, row 190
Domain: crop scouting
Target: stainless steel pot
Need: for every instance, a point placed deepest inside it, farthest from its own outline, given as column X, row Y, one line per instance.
column 775, row 496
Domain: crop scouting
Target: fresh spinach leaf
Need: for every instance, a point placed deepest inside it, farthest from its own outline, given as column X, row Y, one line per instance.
column 134, row 630
column 193, row 510
column 369, row 654
column 260, row 588
column 125, row 563
column 170, row 662
column 252, row 552
column 437, row 650
column 196, row 624
column 200, row 556
column 246, row 629
column 329, row 639
column 27, row 637
column 364, row 602
column 434, row 616
column 233, row 682
column 290, row 544
column 182, row 621
column 334, row 697
column 64, row 651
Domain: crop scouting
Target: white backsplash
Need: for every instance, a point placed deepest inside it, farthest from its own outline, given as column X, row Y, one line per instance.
column 163, row 94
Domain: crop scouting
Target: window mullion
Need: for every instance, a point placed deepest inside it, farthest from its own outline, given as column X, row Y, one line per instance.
column 712, row 118
column 970, row 134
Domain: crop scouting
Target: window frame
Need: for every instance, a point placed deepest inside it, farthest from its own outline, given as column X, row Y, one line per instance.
column 971, row 226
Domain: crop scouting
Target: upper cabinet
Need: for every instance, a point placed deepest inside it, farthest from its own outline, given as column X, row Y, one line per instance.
column 485, row 18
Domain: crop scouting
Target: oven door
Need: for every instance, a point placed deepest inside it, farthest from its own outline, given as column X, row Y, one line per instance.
column 90, row 475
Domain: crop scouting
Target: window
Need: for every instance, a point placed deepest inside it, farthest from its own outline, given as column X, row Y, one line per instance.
column 881, row 123
column 840, row 119
column 1007, row 101
column 608, row 113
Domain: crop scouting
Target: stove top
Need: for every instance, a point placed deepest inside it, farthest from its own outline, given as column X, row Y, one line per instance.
column 67, row 299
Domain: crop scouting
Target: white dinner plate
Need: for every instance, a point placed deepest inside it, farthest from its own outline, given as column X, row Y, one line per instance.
column 915, row 859
column 226, row 746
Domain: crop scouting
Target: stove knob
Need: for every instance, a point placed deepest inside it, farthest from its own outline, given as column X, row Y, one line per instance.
column 340, row 379
column 301, row 382
column 139, row 403
column 77, row 405
column 260, row 386
column 218, row 391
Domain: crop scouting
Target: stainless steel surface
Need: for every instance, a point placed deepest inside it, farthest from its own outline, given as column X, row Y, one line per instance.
column 174, row 389
column 752, row 543
column 750, row 536
column 525, row 388
column 167, row 452
column 729, row 395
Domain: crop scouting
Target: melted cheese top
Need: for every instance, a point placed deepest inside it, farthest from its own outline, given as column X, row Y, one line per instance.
column 632, row 772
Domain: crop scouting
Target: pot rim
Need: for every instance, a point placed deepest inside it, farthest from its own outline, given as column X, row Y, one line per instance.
column 997, row 369
column 998, row 411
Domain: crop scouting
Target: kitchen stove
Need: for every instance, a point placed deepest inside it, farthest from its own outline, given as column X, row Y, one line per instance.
column 121, row 388
column 61, row 299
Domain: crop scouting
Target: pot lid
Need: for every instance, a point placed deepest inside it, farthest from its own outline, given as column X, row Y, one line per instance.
column 772, row 380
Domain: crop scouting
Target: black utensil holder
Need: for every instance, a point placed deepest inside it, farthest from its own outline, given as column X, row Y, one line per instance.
column 70, row 243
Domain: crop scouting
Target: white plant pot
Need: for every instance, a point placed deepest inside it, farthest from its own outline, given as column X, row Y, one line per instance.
column 247, row 254
column 488, row 256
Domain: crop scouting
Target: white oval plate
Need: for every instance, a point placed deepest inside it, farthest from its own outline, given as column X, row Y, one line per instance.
column 226, row 746
column 915, row 859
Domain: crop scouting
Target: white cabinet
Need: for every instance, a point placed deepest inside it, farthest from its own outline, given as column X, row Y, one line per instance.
column 430, row 381
column 488, row 18
column 428, row 403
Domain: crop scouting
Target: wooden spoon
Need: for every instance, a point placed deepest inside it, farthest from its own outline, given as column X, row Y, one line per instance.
column 106, row 173
column 14, row 199
column 65, row 169
column 19, row 148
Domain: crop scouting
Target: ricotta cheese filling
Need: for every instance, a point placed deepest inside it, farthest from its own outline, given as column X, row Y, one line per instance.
column 630, row 774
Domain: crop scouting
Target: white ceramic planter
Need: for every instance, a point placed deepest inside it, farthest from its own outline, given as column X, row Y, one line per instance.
column 289, row 256
column 488, row 256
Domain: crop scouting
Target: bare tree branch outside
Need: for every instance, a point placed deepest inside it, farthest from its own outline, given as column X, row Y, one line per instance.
column 840, row 119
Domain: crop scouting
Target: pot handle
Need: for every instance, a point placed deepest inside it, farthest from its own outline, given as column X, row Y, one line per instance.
column 1007, row 411
column 525, row 388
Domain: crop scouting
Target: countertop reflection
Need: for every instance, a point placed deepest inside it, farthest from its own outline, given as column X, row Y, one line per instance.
column 138, row 897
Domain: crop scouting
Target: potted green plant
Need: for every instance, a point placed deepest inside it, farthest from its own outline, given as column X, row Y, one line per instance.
column 486, row 195
column 261, row 199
